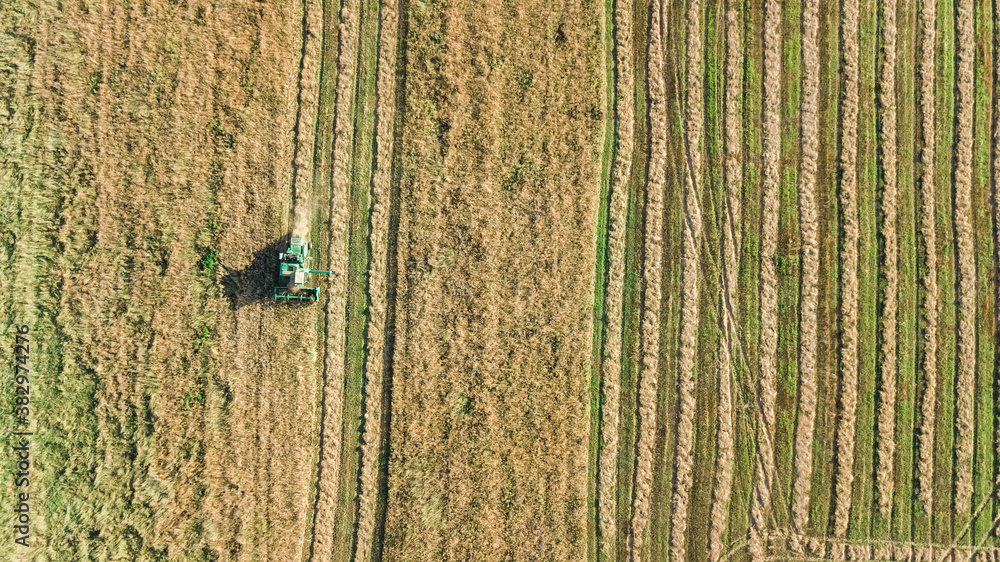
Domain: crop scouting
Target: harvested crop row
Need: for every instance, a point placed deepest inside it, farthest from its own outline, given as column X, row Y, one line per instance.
column 769, row 219
column 925, row 463
column 767, row 390
column 732, row 223
column 611, row 361
column 308, row 105
column 334, row 311
column 849, row 285
column 887, row 403
column 809, row 226
column 966, row 265
column 691, row 241
column 375, row 365
column 652, row 277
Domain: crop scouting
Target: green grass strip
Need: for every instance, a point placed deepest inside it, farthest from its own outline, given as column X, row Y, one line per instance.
column 862, row 500
column 745, row 366
column 600, row 278
column 712, row 200
column 788, row 260
column 906, row 330
column 828, row 204
column 982, row 464
column 944, row 430
column 632, row 299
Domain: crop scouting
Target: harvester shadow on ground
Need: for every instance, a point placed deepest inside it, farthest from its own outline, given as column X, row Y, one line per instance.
column 255, row 283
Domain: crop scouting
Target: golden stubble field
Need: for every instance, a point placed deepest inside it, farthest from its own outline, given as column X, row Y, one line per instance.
column 609, row 281
column 489, row 432
column 145, row 147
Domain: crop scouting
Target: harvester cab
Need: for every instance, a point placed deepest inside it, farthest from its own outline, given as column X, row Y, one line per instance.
column 294, row 273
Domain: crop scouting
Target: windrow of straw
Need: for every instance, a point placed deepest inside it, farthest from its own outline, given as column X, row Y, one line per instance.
column 966, row 264
column 611, row 360
column 810, row 264
column 652, row 278
column 722, row 485
column 887, row 402
column 690, row 265
column 375, row 365
column 849, row 273
column 334, row 310
column 925, row 462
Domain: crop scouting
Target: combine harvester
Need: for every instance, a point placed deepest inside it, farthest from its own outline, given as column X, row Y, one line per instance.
column 293, row 273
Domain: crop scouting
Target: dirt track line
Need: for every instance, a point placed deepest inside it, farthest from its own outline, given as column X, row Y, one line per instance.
column 722, row 486
column 966, row 264
column 381, row 191
column 691, row 241
column 652, row 276
column 925, row 464
column 335, row 309
column 810, row 263
column 887, row 405
column 849, row 262
column 611, row 361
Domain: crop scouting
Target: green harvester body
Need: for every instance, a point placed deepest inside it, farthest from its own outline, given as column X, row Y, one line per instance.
column 294, row 273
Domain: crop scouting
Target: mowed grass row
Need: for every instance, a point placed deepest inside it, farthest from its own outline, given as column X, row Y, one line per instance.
column 335, row 517
column 983, row 499
column 375, row 102
column 788, row 262
column 906, row 230
column 746, row 361
column 862, row 500
column 944, row 418
column 632, row 297
column 673, row 75
column 712, row 203
column 829, row 271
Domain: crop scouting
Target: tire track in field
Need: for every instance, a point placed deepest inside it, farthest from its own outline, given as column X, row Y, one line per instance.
column 810, row 263
column 849, row 264
column 611, row 361
column 966, row 264
column 691, row 242
column 329, row 477
column 722, row 486
column 887, row 404
column 925, row 463
column 768, row 275
column 652, row 277
column 378, row 360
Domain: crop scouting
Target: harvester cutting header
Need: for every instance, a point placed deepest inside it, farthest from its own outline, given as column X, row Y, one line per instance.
column 294, row 273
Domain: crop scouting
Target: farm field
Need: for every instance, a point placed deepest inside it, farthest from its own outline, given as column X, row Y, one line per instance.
column 596, row 281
